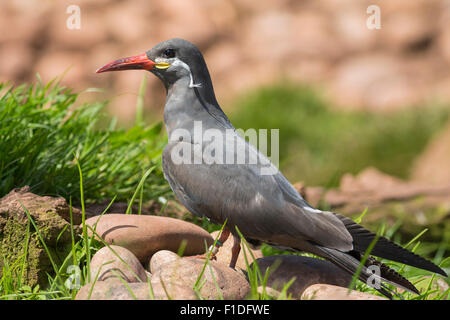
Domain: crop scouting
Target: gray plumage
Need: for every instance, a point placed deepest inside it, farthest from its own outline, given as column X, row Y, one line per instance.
column 265, row 208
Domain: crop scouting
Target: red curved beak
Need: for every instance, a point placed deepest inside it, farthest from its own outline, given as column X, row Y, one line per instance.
column 137, row 62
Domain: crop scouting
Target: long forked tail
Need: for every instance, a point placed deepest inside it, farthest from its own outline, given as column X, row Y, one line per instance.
column 362, row 238
column 350, row 261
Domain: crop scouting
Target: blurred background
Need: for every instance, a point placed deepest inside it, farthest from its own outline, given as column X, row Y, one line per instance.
column 358, row 109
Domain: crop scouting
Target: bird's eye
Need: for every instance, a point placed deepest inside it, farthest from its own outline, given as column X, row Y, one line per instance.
column 169, row 53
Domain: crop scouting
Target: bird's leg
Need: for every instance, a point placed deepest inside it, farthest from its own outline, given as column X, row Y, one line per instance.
column 235, row 250
column 222, row 238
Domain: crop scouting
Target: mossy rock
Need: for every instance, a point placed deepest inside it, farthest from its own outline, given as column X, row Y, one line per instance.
column 17, row 234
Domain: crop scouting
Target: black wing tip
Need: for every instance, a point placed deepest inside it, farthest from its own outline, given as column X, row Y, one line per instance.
column 441, row 272
column 425, row 264
column 385, row 248
column 415, row 290
column 391, row 276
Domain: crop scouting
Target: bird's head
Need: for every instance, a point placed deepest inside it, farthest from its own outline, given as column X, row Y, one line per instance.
column 171, row 61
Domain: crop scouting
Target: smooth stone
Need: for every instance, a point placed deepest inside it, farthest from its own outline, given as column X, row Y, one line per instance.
column 174, row 292
column 107, row 265
column 144, row 235
column 161, row 258
column 307, row 271
column 185, row 272
column 330, row 292
column 224, row 254
column 116, row 290
column 274, row 294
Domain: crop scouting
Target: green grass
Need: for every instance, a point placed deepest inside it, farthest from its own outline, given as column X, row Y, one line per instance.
column 59, row 150
column 319, row 143
column 42, row 135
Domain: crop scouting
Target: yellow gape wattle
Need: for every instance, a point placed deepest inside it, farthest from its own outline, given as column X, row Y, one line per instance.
column 162, row 65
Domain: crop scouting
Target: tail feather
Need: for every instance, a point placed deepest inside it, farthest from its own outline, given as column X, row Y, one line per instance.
column 362, row 238
column 391, row 276
column 350, row 263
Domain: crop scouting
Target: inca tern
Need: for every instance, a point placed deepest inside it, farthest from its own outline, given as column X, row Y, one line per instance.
column 265, row 207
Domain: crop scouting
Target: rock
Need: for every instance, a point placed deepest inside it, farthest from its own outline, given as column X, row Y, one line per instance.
column 185, row 272
column 312, row 195
column 105, row 264
column 224, row 254
column 274, row 294
column 31, row 25
column 358, row 82
column 444, row 35
column 115, row 290
column 195, row 19
column 91, row 32
column 161, row 258
column 225, row 56
column 172, row 292
column 372, row 188
column 51, row 216
column 56, row 63
column 144, row 235
column 351, row 28
column 306, row 42
column 15, row 59
column 307, row 271
column 122, row 14
column 368, row 180
column 330, row 292
column 404, row 29
column 415, row 203
column 444, row 43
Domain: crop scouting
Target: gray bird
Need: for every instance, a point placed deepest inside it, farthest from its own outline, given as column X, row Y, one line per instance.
column 264, row 207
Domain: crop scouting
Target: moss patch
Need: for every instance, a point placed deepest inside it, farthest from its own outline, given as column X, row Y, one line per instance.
column 21, row 250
